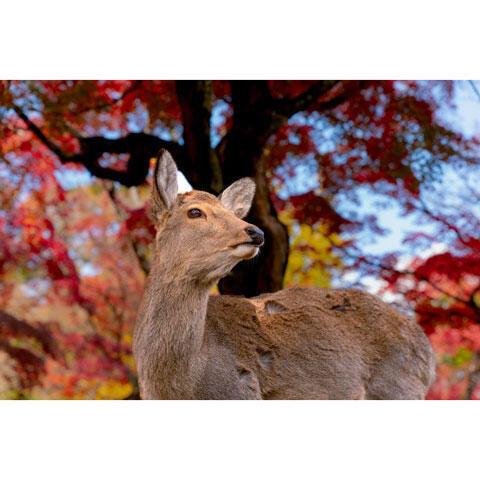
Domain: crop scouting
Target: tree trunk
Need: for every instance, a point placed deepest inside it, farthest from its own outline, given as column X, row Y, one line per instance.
column 253, row 123
column 203, row 170
column 474, row 376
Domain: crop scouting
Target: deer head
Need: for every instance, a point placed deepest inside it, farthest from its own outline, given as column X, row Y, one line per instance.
column 202, row 236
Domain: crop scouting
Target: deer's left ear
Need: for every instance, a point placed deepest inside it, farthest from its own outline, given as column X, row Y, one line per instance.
column 238, row 196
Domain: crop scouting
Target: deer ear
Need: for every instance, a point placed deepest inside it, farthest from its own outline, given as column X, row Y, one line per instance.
column 238, row 196
column 165, row 186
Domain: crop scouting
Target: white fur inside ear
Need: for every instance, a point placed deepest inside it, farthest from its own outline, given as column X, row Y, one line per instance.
column 183, row 185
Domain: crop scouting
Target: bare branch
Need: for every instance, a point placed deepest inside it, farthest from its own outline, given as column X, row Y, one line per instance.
column 444, row 222
column 474, row 88
column 39, row 134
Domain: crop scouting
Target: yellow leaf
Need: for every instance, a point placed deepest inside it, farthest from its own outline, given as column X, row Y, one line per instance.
column 113, row 390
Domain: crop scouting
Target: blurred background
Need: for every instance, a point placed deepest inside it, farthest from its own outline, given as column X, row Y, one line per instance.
column 365, row 184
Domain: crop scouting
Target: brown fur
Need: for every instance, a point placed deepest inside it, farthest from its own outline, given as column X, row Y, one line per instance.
column 298, row 343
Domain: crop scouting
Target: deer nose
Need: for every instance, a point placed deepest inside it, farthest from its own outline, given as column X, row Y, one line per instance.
column 256, row 235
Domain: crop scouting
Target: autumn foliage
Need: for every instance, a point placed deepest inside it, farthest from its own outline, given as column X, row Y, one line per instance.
column 75, row 235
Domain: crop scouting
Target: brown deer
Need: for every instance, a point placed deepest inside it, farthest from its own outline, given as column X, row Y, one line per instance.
column 298, row 343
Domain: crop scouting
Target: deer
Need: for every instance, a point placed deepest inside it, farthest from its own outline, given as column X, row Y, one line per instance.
column 296, row 343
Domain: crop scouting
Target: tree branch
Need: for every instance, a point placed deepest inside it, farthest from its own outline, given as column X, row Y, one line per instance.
column 39, row 134
column 143, row 261
column 423, row 278
column 141, row 147
column 288, row 107
column 11, row 326
column 444, row 222
column 106, row 104
column 475, row 89
column 306, row 99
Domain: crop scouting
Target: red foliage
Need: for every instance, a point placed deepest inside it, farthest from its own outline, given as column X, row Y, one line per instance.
column 310, row 208
column 385, row 136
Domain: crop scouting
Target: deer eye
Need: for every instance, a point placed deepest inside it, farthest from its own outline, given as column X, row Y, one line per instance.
column 195, row 213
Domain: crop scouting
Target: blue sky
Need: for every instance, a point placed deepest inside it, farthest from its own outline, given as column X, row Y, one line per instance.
column 465, row 118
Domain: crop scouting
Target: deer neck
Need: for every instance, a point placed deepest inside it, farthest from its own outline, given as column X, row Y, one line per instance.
column 171, row 331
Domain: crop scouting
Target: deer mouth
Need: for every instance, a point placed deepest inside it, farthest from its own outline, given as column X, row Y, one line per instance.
column 245, row 250
column 252, row 243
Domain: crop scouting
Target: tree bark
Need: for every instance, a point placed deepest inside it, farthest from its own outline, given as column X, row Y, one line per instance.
column 253, row 122
column 202, row 168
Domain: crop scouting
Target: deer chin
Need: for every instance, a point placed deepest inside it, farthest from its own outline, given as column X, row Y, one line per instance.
column 244, row 251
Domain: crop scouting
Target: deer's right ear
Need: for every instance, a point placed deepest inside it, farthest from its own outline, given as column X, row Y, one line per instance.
column 165, row 186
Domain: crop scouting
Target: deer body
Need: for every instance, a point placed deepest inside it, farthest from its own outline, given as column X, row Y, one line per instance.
column 298, row 343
